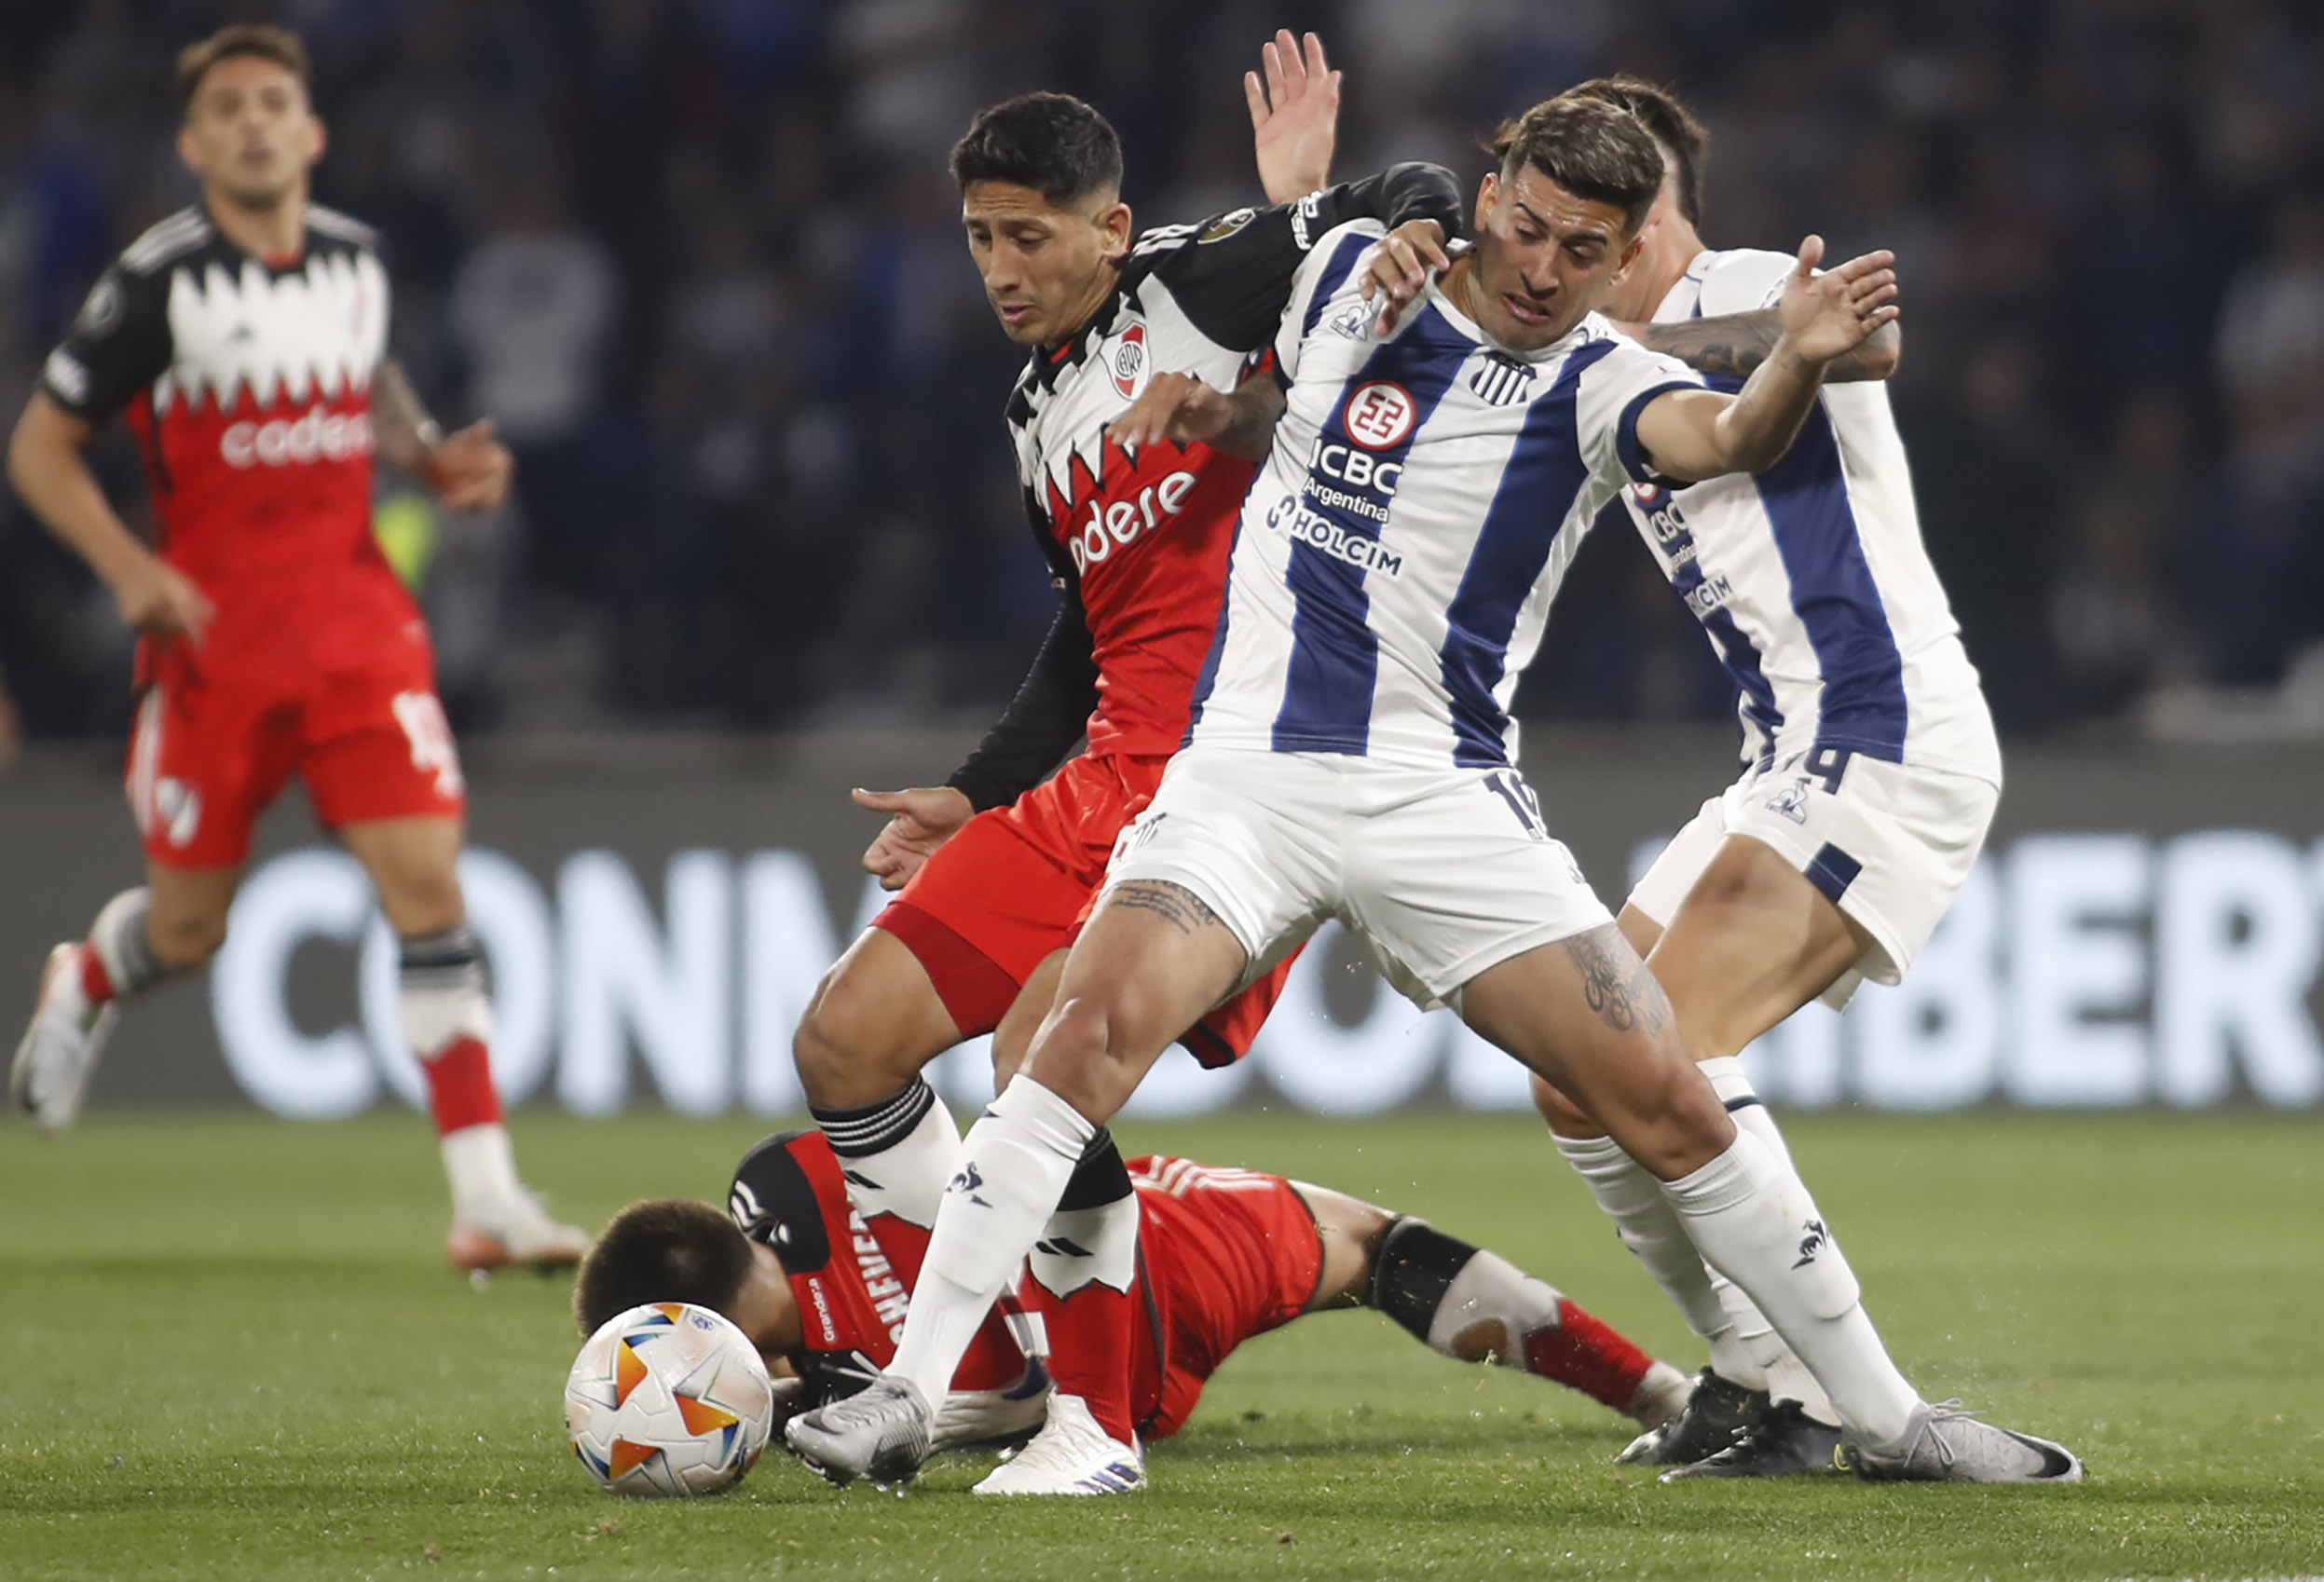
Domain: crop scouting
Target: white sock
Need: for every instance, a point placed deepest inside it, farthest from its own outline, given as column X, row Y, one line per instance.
column 1015, row 1163
column 1752, row 1218
column 1651, row 1228
column 1788, row 1377
column 899, row 1153
column 481, row 1166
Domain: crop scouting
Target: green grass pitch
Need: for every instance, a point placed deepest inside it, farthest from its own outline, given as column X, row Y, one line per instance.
column 231, row 1350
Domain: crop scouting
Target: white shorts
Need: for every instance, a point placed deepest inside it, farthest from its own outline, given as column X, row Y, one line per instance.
column 1890, row 845
column 1445, row 872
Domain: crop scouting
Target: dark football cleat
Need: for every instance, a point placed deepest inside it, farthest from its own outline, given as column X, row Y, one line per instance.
column 1784, row 1442
column 1718, row 1410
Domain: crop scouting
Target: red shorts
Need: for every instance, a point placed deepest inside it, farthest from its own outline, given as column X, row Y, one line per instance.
column 1226, row 1254
column 1016, row 883
column 209, row 754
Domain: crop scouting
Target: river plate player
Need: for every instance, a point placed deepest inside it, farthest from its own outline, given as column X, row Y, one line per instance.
column 1002, row 863
column 1226, row 1254
column 243, row 340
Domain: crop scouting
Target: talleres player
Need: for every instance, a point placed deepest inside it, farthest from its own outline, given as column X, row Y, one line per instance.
column 243, row 340
column 1224, row 1254
column 1351, row 755
column 1871, row 775
column 1138, row 543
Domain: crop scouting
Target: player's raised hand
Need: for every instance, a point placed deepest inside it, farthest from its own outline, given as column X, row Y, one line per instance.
column 922, row 820
column 1175, row 406
column 1294, row 116
column 161, row 601
column 1398, row 268
column 1828, row 315
column 471, row 468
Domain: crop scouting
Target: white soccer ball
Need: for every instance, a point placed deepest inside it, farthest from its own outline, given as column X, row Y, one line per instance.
column 668, row 1399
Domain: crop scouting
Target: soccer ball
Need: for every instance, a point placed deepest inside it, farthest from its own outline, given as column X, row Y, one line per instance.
column 668, row 1399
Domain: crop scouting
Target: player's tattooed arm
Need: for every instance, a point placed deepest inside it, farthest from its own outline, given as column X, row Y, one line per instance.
column 1616, row 982
column 470, row 469
column 1735, row 344
column 1172, row 903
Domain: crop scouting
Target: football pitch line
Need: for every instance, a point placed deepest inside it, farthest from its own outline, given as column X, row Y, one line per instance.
column 234, row 1351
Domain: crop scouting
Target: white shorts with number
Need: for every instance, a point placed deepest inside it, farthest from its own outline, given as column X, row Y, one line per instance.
column 1445, row 872
column 1890, row 845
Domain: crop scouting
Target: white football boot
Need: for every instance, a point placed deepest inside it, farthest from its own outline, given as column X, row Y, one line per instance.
column 61, row 1046
column 991, row 1418
column 512, row 1232
column 1944, row 1444
column 1070, row 1455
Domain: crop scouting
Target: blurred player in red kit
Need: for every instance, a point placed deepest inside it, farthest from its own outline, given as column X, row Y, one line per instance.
column 1224, row 1255
column 244, row 340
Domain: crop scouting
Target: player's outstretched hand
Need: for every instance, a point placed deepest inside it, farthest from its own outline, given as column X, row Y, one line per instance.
column 1175, row 406
column 1294, row 116
column 161, row 601
column 471, row 468
column 1398, row 268
column 1828, row 315
column 923, row 819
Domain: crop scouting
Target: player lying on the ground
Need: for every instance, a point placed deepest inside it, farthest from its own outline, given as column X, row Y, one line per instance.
column 1352, row 757
column 244, row 340
column 1227, row 1254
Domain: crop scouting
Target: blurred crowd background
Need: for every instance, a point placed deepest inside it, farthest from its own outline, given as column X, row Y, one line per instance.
column 700, row 261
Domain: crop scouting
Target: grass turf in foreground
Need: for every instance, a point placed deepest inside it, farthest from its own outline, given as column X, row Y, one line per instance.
column 233, row 1352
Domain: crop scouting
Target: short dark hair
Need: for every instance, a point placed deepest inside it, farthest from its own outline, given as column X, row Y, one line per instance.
column 277, row 43
column 1591, row 149
column 1052, row 143
column 1681, row 138
column 664, row 1249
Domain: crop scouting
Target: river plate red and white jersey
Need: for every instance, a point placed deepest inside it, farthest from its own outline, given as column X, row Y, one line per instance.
column 247, row 382
column 851, row 1278
column 1144, row 537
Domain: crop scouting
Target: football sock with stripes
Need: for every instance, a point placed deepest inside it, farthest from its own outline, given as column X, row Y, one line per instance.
column 117, row 960
column 447, row 1021
column 1653, row 1230
column 896, row 1154
column 1083, row 1268
column 1754, row 1223
column 1015, row 1164
column 1788, row 1377
column 1477, row 1306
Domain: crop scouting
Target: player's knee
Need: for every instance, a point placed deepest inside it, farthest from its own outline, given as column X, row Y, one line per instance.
column 187, row 940
column 1686, row 1125
column 841, row 1047
column 1564, row 1116
column 1084, row 1055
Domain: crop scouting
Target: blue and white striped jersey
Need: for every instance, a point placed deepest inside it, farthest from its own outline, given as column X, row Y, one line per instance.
column 1809, row 578
column 1398, row 552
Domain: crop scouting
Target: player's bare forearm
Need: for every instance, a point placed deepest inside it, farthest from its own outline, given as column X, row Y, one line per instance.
column 1736, row 344
column 1252, row 412
column 1757, row 427
column 406, row 434
column 1691, row 435
column 49, row 473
